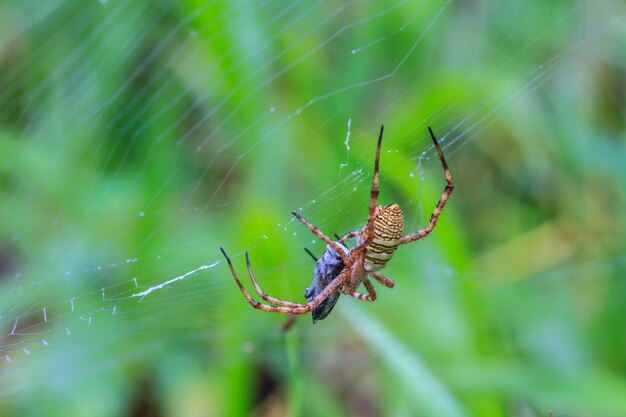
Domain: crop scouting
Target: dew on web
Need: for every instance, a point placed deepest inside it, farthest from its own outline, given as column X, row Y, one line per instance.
column 347, row 144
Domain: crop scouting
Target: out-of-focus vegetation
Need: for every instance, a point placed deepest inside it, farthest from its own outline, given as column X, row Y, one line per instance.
column 138, row 137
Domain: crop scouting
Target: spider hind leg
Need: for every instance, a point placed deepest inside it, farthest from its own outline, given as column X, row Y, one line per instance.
column 367, row 235
column 442, row 200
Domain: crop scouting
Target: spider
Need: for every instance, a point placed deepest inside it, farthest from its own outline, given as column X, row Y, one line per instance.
column 341, row 270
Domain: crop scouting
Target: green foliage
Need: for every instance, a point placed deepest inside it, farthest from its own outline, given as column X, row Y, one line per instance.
column 138, row 137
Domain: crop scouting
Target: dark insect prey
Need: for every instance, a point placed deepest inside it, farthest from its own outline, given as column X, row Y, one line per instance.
column 327, row 268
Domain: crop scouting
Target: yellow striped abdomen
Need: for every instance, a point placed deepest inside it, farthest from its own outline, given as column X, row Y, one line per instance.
column 388, row 229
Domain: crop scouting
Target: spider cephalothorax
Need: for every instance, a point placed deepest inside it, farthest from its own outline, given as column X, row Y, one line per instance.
column 341, row 270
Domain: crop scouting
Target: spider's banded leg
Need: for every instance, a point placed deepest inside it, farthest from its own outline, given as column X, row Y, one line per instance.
column 442, row 201
column 325, row 238
column 349, row 235
column 368, row 231
column 264, row 296
column 232, row 270
column 253, row 302
column 371, row 292
column 305, row 308
column 298, row 308
column 331, row 288
column 386, row 281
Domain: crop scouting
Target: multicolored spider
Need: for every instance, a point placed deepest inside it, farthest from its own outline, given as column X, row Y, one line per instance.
column 341, row 270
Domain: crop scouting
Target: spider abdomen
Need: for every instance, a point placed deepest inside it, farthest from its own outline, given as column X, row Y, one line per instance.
column 388, row 229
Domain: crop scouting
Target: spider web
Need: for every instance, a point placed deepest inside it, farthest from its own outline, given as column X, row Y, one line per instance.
column 139, row 137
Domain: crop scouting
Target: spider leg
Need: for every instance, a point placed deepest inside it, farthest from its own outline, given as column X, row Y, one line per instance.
column 264, row 296
column 368, row 231
column 386, row 281
column 246, row 294
column 349, row 235
column 371, row 292
column 325, row 238
column 293, row 308
column 291, row 319
column 305, row 308
column 243, row 290
column 442, row 201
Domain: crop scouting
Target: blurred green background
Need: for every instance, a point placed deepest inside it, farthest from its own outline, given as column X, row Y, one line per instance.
column 139, row 137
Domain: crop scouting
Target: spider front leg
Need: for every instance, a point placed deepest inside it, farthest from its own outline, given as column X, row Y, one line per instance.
column 286, row 306
column 256, row 285
column 264, row 296
column 442, row 201
column 325, row 238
